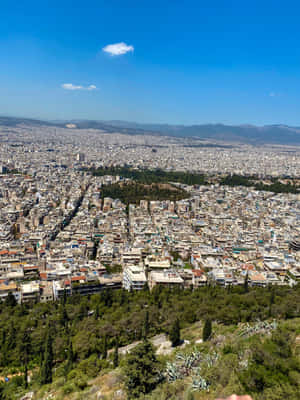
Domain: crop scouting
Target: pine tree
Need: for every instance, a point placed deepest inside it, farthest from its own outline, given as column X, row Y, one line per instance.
column 123, row 297
column 175, row 333
column 26, row 376
column 82, row 313
column 146, row 325
column 116, row 355
column 11, row 337
column 10, row 300
column 141, row 370
column 97, row 312
column 271, row 302
column 272, row 296
column 70, row 357
column 207, row 330
column 64, row 298
column 104, row 347
column 246, row 284
column 63, row 316
column 4, row 351
column 109, row 298
column 46, row 369
column 25, row 349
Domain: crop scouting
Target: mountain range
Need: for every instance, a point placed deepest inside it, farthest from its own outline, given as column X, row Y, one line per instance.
column 256, row 135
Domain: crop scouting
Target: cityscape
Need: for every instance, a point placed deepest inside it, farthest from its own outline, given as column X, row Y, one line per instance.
column 149, row 200
column 59, row 234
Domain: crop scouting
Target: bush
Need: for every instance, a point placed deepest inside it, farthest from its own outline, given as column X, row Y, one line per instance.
column 273, row 365
column 91, row 366
column 81, row 384
column 227, row 349
column 69, row 388
column 73, row 375
column 58, row 383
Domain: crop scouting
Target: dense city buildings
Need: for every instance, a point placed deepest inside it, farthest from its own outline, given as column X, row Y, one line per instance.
column 59, row 235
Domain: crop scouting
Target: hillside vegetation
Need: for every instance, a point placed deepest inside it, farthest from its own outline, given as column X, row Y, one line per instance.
column 134, row 192
column 149, row 176
column 68, row 343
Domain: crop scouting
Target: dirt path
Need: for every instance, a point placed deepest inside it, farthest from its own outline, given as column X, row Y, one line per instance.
column 161, row 342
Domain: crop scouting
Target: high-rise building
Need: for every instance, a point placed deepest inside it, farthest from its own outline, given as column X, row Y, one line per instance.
column 80, row 157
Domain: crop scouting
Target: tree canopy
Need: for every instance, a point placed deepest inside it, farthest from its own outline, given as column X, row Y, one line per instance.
column 142, row 372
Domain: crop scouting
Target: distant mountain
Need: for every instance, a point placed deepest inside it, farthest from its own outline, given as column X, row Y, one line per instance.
column 15, row 121
column 272, row 134
column 107, row 126
column 74, row 124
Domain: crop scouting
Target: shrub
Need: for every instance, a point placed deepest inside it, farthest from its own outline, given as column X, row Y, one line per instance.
column 69, row 388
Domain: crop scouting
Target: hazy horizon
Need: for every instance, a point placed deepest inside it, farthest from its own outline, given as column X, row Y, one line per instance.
column 240, row 124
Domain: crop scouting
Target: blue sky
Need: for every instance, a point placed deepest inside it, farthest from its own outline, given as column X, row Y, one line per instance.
column 183, row 61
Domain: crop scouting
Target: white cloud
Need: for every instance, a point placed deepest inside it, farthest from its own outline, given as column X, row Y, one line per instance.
column 118, row 49
column 70, row 86
column 276, row 94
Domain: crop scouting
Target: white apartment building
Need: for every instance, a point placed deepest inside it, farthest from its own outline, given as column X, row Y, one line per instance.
column 134, row 278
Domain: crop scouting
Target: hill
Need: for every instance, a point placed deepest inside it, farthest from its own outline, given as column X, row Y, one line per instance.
column 252, row 347
column 246, row 358
column 256, row 135
column 274, row 134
